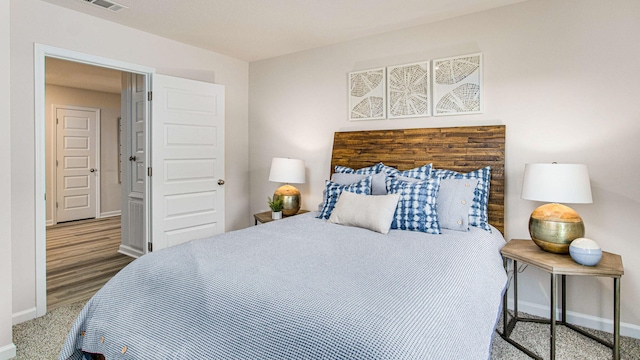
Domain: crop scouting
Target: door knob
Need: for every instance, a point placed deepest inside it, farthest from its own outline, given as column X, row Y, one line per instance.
column 132, row 158
column 92, row 170
column 220, row 182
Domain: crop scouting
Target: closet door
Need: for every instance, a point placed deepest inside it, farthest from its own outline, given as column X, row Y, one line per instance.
column 133, row 158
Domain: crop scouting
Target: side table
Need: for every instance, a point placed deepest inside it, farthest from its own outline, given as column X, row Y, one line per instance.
column 265, row 217
column 529, row 253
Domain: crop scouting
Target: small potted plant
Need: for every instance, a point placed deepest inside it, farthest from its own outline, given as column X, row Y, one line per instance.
column 276, row 204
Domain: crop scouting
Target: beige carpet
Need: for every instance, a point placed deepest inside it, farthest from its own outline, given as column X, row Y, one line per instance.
column 42, row 338
column 569, row 344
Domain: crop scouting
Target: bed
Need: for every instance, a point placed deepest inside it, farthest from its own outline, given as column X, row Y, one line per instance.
column 305, row 288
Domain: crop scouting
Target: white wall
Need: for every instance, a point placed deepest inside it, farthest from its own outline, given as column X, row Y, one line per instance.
column 7, row 349
column 109, row 105
column 34, row 21
column 562, row 76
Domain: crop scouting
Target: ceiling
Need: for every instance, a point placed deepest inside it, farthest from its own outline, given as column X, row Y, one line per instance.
column 81, row 76
column 259, row 29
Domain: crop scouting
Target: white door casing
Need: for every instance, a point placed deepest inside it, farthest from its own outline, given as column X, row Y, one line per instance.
column 187, row 157
column 77, row 163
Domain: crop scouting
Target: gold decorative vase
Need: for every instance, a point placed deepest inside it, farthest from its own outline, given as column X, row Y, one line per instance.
column 290, row 198
column 554, row 226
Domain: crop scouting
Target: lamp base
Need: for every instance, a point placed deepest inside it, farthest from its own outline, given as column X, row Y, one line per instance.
column 290, row 198
column 554, row 226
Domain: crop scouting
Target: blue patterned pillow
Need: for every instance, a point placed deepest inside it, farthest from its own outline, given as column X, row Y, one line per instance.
column 421, row 173
column 417, row 205
column 364, row 171
column 334, row 190
column 478, row 212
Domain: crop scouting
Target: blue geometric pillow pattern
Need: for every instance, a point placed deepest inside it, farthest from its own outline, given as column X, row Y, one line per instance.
column 416, row 209
column 374, row 169
column 334, row 190
column 421, row 173
column 478, row 212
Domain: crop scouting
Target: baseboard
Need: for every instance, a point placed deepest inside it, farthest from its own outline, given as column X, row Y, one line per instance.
column 129, row 251
column 48, row 223
column 7, row 352
column 110, row 214
column 24, row 315
column 576, row 318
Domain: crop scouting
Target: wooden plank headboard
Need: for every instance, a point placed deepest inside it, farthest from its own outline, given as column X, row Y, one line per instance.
column 462, row 149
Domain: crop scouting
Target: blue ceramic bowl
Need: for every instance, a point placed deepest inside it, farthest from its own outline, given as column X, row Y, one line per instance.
column 588, row 257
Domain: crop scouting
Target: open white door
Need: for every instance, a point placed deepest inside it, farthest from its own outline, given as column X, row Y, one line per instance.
column 133, row 158
column 187, row 159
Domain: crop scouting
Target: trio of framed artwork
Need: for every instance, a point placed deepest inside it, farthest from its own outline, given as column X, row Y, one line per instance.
column 403, row 91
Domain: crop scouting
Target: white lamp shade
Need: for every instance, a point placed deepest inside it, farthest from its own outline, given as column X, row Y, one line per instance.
column 558, row 183
column 285, row 170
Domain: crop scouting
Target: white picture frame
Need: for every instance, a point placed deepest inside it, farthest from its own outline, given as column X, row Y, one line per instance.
column 367, row 95
column 457, row 85
column 408, row 90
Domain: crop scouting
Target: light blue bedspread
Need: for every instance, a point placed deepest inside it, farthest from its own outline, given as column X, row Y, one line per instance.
column 301, row 288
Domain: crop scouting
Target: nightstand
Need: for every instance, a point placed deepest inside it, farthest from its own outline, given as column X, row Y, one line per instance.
column 528, row 252
column 265, row 217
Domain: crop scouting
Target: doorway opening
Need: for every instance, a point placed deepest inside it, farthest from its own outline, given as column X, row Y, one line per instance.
column 83, row 150
column 69, row 240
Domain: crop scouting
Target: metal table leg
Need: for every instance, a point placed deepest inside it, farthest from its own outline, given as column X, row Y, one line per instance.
column 508, row 326
column 515, row 289
column 616, row 318
column 504, row 303
column 564, row 300
column 552, row 337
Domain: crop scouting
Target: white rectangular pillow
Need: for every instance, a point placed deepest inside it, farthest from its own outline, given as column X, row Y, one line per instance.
column 365, row 211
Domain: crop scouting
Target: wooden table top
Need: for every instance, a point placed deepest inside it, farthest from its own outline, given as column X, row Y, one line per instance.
column 528, row 252
column 265, row 217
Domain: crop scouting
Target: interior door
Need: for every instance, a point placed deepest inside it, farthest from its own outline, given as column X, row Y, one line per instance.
column 77, row 175
column 187, row 158
column 134, row 164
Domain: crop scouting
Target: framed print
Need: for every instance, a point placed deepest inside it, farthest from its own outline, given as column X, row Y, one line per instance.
column 367, row 96
column 457, row 85
column 408, row 90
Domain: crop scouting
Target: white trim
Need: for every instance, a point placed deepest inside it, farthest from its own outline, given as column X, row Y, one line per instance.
column 113, row 213
column 7, row 352
column 576, row 318
column 54, row 175
column 129, row 251
column 40, row 53
column 49, row 223
column 24, row 315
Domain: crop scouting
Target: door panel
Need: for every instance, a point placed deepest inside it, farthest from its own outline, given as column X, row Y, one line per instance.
column 77, row 177
column 134, row 169
column 138, row 146
column 187, row 159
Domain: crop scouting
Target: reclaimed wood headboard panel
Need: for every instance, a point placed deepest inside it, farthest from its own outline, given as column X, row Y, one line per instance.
column 462, row 149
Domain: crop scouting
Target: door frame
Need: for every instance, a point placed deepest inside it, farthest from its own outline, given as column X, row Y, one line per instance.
column 54, row 150
column 41, row 52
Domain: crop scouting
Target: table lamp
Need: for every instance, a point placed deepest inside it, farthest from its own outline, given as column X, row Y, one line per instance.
column 288, row 171
column 553, row 226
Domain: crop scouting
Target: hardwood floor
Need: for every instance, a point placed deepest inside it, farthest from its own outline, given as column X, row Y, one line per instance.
column 81, row 257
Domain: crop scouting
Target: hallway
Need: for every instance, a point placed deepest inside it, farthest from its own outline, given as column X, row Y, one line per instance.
column 81, row 257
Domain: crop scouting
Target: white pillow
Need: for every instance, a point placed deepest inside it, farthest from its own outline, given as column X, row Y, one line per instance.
column 454, row 200
column 365, row 211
